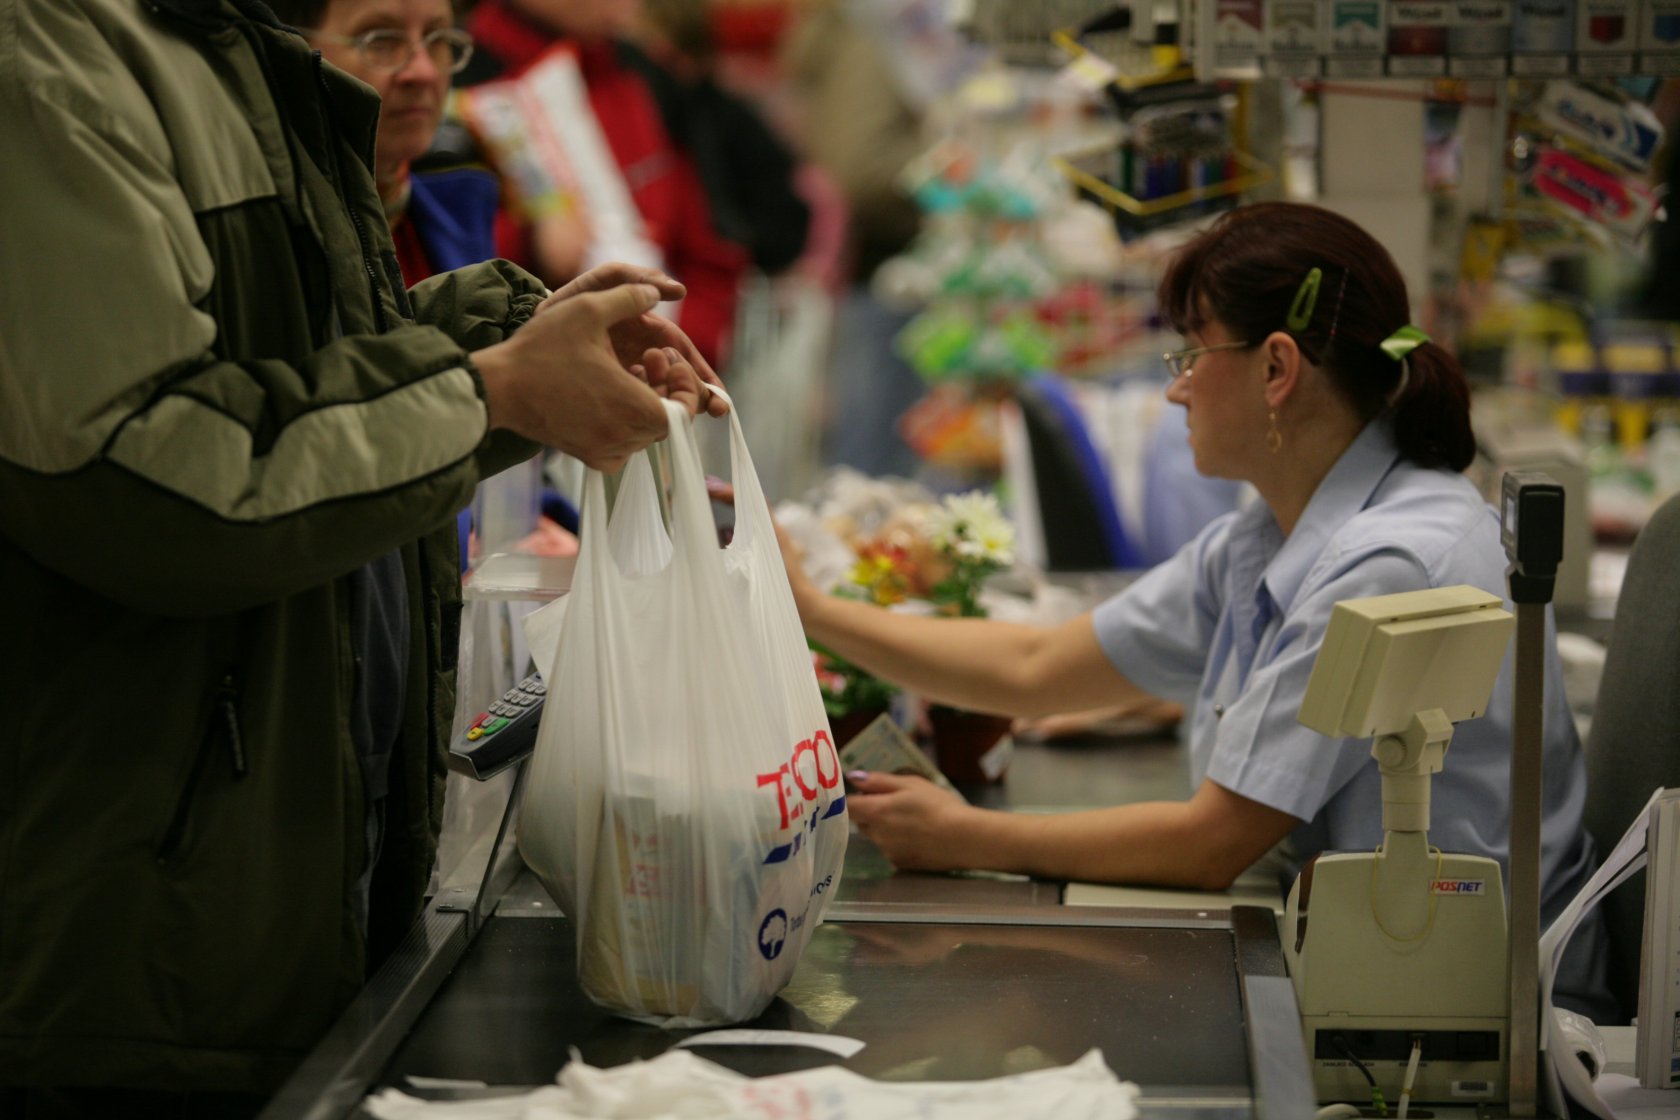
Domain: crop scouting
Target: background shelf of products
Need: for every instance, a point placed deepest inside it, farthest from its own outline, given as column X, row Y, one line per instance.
column 1349, row 38
column 1365, row 39
column 1177, row 154
column 1190, row 178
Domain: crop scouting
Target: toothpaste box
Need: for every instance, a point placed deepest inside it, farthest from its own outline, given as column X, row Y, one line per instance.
column 1542, row 37
column 1357, row 39
column 1600, row 197
column 1625, row 133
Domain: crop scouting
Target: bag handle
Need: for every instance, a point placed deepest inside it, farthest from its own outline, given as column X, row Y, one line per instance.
column 752, row 509
column 691, row 526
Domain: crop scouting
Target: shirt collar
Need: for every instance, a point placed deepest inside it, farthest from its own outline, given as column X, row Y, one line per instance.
column 1345, row 491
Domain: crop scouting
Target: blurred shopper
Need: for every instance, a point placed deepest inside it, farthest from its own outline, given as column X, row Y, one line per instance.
column 859, row 118
column 748, row 172
column 511, row 35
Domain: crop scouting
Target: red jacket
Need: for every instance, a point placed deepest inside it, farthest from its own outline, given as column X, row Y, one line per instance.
column 661, row 178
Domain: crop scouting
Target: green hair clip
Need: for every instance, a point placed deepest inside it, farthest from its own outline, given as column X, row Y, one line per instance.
column 1403, row 342
column 1306, row 298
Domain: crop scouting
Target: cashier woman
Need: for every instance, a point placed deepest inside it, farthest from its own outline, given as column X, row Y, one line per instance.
column 1301, row 376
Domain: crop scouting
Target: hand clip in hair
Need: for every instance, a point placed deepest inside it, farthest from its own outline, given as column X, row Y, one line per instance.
column 1402, row 342
column 1397, row 345
column 1306, row 299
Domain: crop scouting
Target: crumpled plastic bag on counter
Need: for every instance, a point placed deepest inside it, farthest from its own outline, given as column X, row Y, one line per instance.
column 679, row 1085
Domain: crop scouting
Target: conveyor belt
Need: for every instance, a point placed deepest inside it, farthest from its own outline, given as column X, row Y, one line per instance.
column 1193, row 1007
column 943, row 977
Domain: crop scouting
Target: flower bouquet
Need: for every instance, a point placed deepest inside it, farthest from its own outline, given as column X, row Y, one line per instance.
column 973, row 540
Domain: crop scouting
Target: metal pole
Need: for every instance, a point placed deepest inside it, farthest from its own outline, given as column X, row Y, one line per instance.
column 1523, row 949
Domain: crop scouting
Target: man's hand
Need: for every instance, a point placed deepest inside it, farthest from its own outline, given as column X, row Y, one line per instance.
column 612, row 275
column 558, row 380
column 670, row 375
column 633, row 338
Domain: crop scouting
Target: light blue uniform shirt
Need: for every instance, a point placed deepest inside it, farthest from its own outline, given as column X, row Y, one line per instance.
column 1230, row 627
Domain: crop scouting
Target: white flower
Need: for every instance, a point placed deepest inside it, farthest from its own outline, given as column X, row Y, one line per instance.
column 972, row 526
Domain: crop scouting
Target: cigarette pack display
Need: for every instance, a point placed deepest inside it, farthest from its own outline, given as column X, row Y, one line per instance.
column 1357, row 39
column 1542, row 37
column 1606, row 33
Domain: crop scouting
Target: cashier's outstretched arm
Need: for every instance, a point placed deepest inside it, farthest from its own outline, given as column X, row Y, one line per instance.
column 982, row 664
column 1203, row 843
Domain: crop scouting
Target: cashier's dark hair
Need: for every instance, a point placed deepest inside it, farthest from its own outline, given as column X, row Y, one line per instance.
column 1245, row 271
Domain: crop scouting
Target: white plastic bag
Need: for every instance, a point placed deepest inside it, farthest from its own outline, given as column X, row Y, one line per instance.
column 679, row 1084
column 685, row 804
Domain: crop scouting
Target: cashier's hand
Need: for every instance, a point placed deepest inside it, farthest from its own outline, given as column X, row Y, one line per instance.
column 914, row 822
column 634, row 336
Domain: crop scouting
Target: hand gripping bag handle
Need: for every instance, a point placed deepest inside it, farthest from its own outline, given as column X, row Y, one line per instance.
column 637, row 499
column 692, row 528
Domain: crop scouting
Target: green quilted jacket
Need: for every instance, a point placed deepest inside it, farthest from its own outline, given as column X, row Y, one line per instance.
column 216, row 403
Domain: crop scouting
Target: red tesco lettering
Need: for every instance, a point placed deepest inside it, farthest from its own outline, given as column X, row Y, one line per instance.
column 796, row 772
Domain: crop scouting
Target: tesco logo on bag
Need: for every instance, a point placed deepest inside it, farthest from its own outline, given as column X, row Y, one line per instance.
column 814, row 766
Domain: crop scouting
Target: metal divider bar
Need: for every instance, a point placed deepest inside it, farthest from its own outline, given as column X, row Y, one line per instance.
column 331, row 1081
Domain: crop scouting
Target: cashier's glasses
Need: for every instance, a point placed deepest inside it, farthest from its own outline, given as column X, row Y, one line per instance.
column 1181, row 362
column 388, row 49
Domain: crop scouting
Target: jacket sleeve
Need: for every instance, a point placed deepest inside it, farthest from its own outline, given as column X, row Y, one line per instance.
column 137, row 463
column 478, row 306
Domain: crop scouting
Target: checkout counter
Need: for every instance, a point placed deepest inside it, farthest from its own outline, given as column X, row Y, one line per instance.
column 943, row 977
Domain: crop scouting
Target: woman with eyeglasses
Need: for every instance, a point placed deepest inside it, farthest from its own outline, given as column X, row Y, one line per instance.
column 408, row 50
column 1300, row 375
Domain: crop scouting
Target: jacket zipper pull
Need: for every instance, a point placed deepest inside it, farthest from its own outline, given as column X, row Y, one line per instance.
column 230, row 720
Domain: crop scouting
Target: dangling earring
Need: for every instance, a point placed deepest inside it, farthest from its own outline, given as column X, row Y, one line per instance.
column 1274, row 438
